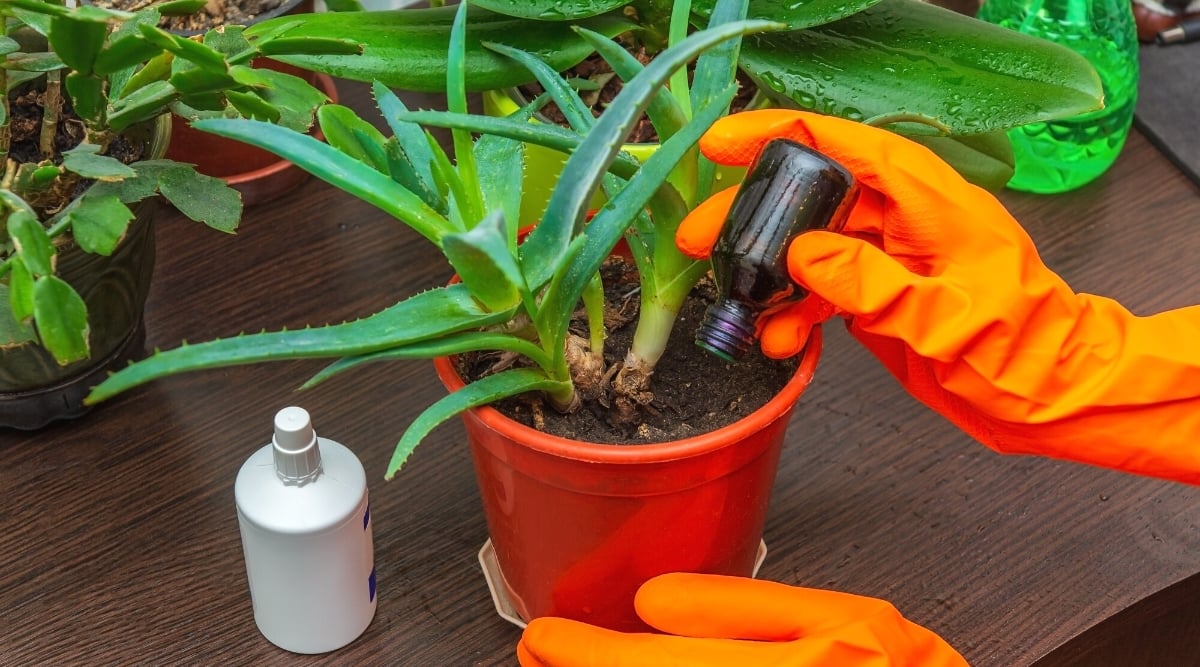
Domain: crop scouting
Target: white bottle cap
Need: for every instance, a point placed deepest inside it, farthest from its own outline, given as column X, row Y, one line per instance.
column 297, row 456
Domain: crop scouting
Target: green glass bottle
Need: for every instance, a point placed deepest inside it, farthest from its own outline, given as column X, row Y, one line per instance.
column 1065, row 154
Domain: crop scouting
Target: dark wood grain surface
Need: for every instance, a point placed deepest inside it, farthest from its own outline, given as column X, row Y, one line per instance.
column 119, row 541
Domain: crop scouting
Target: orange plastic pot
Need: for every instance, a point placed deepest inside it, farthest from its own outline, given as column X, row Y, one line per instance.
column 576, row 527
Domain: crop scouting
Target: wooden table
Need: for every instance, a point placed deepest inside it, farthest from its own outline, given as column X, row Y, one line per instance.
column 120, row 545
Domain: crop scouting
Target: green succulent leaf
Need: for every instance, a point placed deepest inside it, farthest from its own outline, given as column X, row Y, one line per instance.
column 407, row 49
column 483, row 260
column 82, row 13
column 410, row 136
column 33, row 62
column 348, row 133
column 250, row 105
column 8, row 45
column 180, row 7
column 61, row 317
column 664, row 112
column 469, row 341
column 864, row 67
column 77, row 42
column 501, row 161
column 32, row 243
column 156, row 70
column 480, row 392
column 99, row 222
column 424, row 316
column 142, row 104
column 202, row 198
column 142, row 185
column 309, row 46
column 983, row 159
column 609, row 224
column 87, row 94
column 196, row 80
column 86, row 161
column 796, row 14
column 551, row 10
column 564, row 215
column 404, row 171
column 128, row 51
column 577, row 114
column 20, row 294
column 197, row 53
column 552, row 136
column 294, row 97
column 37, row 20
column 336, row 168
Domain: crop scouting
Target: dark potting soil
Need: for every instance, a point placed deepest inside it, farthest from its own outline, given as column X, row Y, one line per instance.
column 25, row 127
column 694, row 391
column 214, row 13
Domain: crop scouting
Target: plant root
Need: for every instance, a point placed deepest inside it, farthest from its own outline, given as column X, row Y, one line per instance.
column 587, row 369
column 630, row 395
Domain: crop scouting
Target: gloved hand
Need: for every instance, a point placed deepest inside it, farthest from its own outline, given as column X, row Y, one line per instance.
column 938, row 281
column 722, row 621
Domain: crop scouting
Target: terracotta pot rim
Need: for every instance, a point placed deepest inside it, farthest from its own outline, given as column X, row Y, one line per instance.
column 778, row 406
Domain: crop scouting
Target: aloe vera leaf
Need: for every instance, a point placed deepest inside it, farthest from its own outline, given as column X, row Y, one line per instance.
column 423, row 316
column 410, row 135
column 440, row 347
column 337, row 169
column 664, row 112
column 483, row 260
column 551, row 136
column 481, row 392
column 610, row 223
column 564, row 215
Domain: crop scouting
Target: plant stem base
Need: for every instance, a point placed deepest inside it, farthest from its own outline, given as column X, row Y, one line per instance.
column 503, row 596
column 35, row 408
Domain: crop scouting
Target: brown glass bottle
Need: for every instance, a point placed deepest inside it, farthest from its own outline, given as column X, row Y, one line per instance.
column 789, row 189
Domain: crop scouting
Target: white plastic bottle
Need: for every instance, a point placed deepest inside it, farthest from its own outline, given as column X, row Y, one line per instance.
column 306, row 535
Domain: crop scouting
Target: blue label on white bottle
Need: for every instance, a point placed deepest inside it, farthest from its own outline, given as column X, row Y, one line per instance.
column 371, row 585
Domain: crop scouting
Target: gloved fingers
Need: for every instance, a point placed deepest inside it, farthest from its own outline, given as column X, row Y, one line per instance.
column 933, row 315
column 921, row 189
column 714, row 606
column 783, row 333
column 560, row 642
column 882, row 160
column 699, row 230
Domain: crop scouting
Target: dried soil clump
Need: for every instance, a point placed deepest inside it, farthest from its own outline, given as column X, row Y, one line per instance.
column 694, row 392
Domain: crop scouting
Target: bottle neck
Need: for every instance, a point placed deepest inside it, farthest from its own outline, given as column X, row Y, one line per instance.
column 728, row 329
column 297, row 467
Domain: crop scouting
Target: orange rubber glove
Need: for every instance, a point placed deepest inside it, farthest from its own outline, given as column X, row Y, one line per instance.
column 940, row 283
column 725, row 621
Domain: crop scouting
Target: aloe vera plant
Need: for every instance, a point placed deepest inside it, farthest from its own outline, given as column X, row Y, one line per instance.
column 515, row 295
column 886, row 61
column 115, row 70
